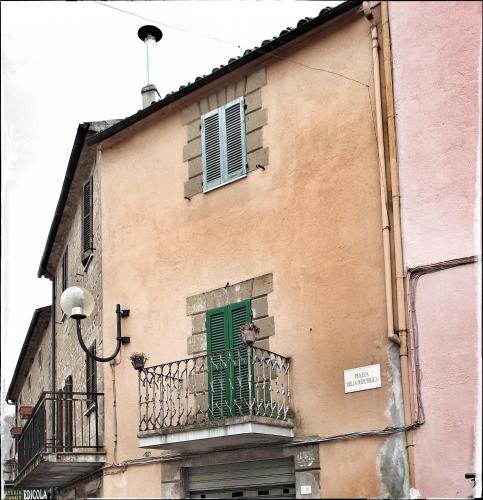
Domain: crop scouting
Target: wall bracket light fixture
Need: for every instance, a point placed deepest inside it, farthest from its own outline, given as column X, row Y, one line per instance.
column 78, row 303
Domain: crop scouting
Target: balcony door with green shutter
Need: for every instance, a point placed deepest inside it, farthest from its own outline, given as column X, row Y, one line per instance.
column 228, row 388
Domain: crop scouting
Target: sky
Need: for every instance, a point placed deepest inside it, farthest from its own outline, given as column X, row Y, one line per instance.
column 64, row 63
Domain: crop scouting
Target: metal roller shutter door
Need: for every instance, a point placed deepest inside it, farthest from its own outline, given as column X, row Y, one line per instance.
column 255, row 479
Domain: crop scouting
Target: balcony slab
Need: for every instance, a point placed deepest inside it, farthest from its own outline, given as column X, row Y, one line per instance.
column 220, row 434
column 53, row 470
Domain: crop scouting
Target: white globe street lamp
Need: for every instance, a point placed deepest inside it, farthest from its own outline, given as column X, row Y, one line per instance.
column 78, row 303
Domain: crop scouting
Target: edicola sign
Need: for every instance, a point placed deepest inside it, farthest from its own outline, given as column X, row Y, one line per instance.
column 36, row 494
column 27, row 494
column 363, row 378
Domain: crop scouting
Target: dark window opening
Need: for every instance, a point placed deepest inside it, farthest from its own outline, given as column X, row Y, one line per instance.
column 65, row 269
column 91, row 375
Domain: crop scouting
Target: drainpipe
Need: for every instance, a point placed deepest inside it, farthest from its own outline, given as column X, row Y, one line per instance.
column 53, row 320
column 410, row 400
column 382, row 176
column 113, row 364
column 401, row 336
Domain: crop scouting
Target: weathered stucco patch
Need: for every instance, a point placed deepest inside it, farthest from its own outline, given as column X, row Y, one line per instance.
column 392, row 463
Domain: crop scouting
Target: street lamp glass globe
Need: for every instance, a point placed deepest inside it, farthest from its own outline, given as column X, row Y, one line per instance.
column 77, row 302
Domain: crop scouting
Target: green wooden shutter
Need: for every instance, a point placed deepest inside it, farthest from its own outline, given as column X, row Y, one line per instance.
column 228, row 390
column 235, row 149
column 217, row 332
column 210, row 149
column 239, row 314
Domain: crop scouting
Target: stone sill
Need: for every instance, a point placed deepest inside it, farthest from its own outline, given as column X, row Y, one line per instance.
column 209, row 190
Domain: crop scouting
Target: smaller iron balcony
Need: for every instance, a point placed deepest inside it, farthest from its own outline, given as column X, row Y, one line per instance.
column 225, row 398
column 61, row 441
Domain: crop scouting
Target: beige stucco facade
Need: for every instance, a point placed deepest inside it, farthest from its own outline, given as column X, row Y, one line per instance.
column 311, row 218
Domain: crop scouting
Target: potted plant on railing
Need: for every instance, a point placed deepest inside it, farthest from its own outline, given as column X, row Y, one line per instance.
column 16, row 432
column 249, row 333
column 25, row 411
column 138, row 360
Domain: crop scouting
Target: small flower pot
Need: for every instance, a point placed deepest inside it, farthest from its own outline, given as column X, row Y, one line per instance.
column 25, row 411
column 138, row 360
column 16, row 432
column 249, row 333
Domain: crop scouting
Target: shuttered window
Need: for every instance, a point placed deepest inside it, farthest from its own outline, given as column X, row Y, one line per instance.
column 223, row 144
column 65, row 269
column 91, row 374
column 228, row 393
column 87, row 220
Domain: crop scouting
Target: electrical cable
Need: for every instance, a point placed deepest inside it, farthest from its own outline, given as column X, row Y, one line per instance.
column 413, row 275
column 296, row 442
column 258, row 50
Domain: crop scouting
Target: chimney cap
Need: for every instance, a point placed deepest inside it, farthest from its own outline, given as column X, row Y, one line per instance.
column 145, row 31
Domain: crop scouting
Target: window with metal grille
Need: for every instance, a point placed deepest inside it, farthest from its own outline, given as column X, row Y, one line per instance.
column 91, row 375
column 87, row 209
column 223, row 144
column 65, row 269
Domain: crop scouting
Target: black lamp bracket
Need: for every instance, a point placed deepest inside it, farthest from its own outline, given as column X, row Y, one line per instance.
column 120, row 313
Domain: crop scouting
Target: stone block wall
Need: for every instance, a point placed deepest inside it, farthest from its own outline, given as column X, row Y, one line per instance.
column 39, row 377
column 254, row 289
column 255, row 119
column 70, row 358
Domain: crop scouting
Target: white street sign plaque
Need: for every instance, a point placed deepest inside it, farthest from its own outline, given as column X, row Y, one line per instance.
column 362, row 379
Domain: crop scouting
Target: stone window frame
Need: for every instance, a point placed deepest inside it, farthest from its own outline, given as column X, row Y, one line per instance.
column 254, row 289
column 256, row 117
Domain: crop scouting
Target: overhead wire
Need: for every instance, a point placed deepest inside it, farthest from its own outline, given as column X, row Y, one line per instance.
column 240, row 46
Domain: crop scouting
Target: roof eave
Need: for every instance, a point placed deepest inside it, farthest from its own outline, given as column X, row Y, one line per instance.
column 224, row 70
column 81, row 134
column 23, row 351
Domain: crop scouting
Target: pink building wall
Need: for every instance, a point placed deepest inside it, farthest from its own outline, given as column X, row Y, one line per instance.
column 437, row 78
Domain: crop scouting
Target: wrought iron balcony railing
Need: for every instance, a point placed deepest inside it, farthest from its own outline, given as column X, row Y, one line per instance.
column 219, row 385
column 61, row 422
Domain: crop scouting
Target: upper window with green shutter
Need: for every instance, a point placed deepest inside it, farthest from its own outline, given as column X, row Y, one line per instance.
column 223, row 144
